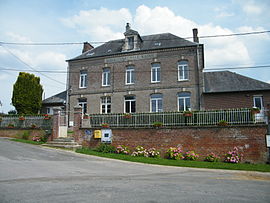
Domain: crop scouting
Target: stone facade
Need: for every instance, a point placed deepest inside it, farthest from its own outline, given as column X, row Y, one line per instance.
column 169, row 85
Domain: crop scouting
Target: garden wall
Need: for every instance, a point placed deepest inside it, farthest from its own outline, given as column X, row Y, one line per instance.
column 203, row 140
column 17, row 133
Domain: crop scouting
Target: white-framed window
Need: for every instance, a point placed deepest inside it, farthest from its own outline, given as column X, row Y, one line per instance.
column 106, row 77
column 130, row 104
column 49, row 110
column 130, row 43
column 184, row 101
column 130, row 77
column 106, row 105
column 258, row 102
column 183, row 70
column 156, row 103
column 155, row 72
column 83, row 103
column 83, row 79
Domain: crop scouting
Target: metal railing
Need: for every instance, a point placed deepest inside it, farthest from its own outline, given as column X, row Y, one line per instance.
column 174, row 119
column 23, row 122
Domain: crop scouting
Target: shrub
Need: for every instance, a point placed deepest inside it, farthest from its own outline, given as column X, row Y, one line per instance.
column 191, row 155
column 105, row 148
column 140, row 151
column 152, row 152
column 25, row 135
column 174, row 153
column 233, row 156
column 122, row 149
column 157, row 124
column 212, row 157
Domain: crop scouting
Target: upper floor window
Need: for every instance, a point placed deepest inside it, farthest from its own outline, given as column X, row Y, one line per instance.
column 184, row 101
column 258, row 102
column 130, row 42
column 83, row 79
column 83, row 103
column 130, row 104
column 130, row 79
column 106, row 74
column 156, row 103
column 155, row 72
column 183, row 70
column 105, row 104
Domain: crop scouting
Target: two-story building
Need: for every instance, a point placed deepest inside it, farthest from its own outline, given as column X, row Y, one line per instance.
column 151, row 73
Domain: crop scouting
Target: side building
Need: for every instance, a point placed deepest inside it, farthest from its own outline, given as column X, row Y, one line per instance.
column 152, row 73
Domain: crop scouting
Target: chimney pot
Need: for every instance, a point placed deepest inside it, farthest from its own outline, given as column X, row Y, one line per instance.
column 195, row 35
column 127, row 27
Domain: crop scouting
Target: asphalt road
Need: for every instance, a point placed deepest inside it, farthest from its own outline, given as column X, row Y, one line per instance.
column 31, row 173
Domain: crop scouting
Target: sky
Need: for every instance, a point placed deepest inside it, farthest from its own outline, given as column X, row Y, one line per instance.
column 59, row 21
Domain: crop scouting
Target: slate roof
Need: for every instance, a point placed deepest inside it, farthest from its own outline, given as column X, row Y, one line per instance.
column 55, row 99
column 226, row 81
column 149, row 42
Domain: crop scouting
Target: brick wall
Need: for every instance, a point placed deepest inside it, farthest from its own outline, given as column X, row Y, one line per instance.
column 16, row 133
column 251, row 139
column 234, row 99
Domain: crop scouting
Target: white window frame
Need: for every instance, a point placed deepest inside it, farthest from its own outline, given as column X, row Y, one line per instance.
column 84, row 106
column 184, row 69
column 106, row 80
column 184, row 98
column 155, row 69
column 156, row 100
column 130, row 102
column 83, row 79
column 106, row 101
column 131, row 43
column 261, row 101
column 130, row 77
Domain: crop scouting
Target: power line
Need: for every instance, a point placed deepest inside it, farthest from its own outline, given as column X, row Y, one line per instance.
column 10, row 52
column 147, row 71
column 118, row 41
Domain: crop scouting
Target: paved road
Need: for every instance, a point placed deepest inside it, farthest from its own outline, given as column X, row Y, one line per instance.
column 36, row 174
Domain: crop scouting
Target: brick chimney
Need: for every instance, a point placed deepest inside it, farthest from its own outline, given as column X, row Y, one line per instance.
column 195, row 35
column 87, row 47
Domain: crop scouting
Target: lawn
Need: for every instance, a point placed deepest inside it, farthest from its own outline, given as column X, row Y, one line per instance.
column 180, row 163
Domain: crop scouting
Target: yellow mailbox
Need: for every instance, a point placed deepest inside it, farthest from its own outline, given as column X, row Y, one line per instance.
column 97, row 134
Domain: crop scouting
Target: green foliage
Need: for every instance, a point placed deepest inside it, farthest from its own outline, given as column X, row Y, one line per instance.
column 27, row 94
column 212, row 157
column 105, row 148
column 180, row 163
column 25, row 135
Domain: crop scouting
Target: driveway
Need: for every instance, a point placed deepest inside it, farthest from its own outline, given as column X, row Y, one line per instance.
column 31, row 173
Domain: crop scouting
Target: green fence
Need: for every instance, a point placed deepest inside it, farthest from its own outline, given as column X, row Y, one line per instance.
column 196, row 118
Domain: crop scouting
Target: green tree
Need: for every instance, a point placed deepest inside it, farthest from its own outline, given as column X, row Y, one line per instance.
column 27, row 94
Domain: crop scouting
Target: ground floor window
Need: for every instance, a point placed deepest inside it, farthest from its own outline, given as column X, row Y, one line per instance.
column 130, row 104
column 106, row 105
column 83, row 103
column 184, row 101
column 156, row 103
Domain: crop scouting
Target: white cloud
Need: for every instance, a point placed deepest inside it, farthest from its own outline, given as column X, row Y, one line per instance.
column 104, row 24
column 51, row 60
column 222, row 12
column 218, row 51
column 100, row 24
column 264, row 36
column 18, row 38
column 251, row 8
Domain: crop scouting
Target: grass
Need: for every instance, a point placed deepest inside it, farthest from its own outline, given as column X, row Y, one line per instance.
column 180, row 163
column 28, row 141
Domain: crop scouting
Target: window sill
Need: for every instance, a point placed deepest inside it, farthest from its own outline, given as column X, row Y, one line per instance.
column 82, row 87
column 184, row 80
column 154, row 82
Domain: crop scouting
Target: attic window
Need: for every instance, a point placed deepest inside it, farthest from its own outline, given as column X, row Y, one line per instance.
column 90, row 54
column 130, row 42
column 109, row 50
column 157, row 44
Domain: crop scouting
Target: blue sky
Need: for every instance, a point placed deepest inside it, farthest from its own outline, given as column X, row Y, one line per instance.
column 81, row 20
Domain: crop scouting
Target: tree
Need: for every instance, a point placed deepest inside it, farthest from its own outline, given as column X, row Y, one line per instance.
column 27, row 94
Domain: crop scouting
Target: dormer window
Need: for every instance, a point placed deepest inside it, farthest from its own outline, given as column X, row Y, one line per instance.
column 131, row 42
